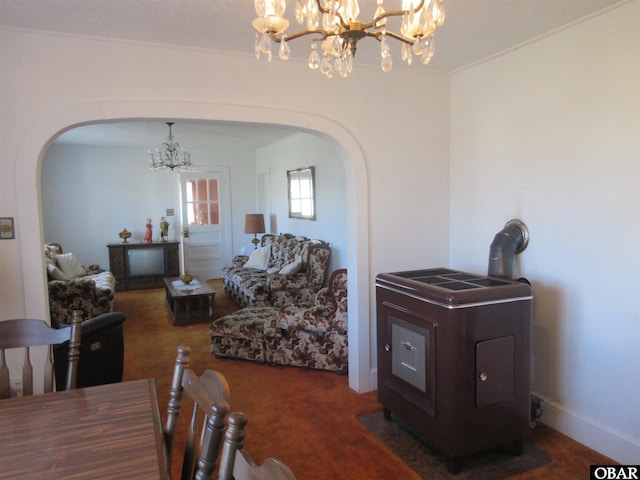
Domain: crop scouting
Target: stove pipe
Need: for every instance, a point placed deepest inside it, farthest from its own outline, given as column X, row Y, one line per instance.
column 512, row 239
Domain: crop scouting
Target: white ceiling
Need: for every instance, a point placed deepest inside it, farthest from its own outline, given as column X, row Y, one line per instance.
column 191, row 134
column 474, row 31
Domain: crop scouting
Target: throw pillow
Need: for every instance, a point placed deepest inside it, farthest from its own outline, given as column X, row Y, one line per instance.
column 55, row 273
column 259, row 259
column 292, row 268
column 70, row 266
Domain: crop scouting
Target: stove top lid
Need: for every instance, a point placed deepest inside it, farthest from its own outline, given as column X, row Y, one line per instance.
column 451, row 279
column 452, row 288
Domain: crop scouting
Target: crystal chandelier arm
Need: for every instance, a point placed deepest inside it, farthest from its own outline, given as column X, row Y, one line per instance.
column 389, row 33
column 323, row 34
column 394, row 13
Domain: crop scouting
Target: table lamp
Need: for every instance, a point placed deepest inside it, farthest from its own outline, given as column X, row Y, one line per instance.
column 254, row 223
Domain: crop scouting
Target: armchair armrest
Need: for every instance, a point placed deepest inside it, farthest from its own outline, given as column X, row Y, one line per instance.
column 92, row 269
column 96, row 324
column 325, row 298
column 280, row 281
column 81, row 286
column 290, row 289
column 239, row 260
column 102, row 322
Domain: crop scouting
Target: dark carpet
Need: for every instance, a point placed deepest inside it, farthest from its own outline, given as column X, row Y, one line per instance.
column 490, row 465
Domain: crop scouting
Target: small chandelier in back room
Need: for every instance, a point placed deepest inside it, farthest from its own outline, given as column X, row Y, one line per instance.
column 336, row 29
column 171, row 157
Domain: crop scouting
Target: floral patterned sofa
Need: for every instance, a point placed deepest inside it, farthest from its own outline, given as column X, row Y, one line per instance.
column 76, row 287
column 313, row 336
column 286, row 269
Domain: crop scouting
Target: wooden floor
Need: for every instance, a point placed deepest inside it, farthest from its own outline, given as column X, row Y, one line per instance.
column 307, row 418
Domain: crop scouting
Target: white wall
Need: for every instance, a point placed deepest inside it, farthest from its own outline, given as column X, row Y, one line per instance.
column 89, row 194
column 304, row 150
column 58, row 81
column 550, row 134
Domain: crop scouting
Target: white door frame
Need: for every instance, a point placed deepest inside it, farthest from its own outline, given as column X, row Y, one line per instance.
column 223, row 174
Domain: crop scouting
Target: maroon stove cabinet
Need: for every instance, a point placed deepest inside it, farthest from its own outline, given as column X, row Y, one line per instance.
column 453, row 358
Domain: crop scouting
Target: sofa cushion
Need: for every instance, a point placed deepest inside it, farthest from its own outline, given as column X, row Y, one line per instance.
column 69, row 265
column 105, row 283
column 291, row 268
column 55, row 273
column 285, row 249
column 259, row 259
column 313, row 319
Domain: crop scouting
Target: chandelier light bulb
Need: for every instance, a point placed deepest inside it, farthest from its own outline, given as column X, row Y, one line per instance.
column 313, row 14
column 337, row 26
column 299, row 12
column 351, row 10
column 270, row 7
column 261, row 7
column 437, row 13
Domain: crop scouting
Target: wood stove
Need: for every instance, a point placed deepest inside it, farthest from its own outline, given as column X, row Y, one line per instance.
column 453, row 358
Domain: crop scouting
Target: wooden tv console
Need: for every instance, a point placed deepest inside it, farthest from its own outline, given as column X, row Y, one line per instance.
column 119, row 264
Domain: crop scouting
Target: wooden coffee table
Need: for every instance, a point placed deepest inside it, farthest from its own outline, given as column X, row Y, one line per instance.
column 190, row 303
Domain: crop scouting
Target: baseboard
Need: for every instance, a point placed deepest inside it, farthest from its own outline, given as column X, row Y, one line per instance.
column 614, row 444
column 373, row 378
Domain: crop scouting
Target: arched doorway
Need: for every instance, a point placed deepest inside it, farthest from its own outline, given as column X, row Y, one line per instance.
column 29, row 163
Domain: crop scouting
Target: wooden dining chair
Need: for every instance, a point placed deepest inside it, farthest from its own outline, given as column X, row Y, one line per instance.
column 27, row 333
column 210, row 395
column 237, row 464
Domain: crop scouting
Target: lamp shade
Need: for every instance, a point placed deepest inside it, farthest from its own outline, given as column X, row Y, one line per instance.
column 254, row 223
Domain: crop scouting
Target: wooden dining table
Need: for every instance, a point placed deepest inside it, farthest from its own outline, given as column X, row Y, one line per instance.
column 109, row 432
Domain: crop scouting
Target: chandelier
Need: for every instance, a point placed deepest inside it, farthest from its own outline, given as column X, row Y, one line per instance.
column 171, row 157
column 337, row 30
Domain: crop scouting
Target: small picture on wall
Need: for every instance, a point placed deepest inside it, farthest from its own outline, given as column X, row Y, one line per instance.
column 6, row 228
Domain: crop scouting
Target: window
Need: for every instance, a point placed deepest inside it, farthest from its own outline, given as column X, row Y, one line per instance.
column 202, row 202
column 302, row 193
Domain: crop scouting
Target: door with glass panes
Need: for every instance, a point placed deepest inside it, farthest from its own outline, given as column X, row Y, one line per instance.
column 205, row 222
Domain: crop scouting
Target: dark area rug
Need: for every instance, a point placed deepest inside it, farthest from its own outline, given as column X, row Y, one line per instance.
column 490, row 465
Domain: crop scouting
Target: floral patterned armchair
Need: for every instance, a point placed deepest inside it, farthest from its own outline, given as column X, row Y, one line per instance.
column 90, row 289
column 315, row 336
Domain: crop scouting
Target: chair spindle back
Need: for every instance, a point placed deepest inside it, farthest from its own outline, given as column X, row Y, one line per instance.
column 27, row 333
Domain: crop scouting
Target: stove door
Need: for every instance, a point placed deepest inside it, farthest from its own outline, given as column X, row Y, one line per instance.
column 406, row 358
column 495, row 371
